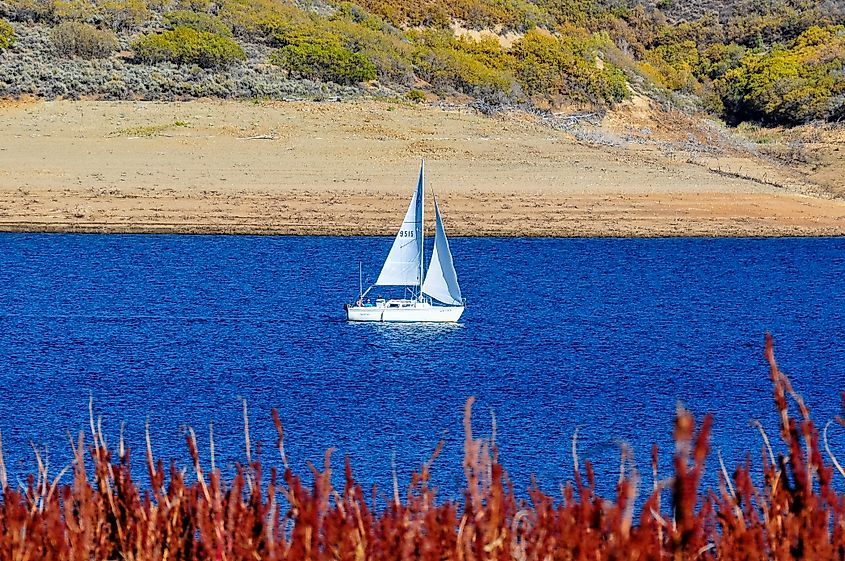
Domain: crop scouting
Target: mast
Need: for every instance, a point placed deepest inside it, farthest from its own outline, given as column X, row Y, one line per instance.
column 421, row 195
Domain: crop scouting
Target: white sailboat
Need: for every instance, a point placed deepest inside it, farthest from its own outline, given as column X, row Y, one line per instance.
column 435, row 294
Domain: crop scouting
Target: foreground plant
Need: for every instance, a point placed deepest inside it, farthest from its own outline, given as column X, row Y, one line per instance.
column 795, row 512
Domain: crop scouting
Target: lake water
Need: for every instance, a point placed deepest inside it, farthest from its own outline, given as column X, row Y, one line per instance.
column 606, row 335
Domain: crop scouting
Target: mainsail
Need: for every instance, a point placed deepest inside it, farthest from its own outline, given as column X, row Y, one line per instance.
column 441, row 280
column 404, row 262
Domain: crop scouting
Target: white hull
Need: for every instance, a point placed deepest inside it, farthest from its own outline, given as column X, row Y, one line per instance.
column 408, row 313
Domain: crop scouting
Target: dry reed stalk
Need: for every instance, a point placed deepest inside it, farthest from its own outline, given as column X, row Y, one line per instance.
column 794, row 513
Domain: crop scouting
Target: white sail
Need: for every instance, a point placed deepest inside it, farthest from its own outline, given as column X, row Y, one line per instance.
column 441, row 280
column 403, row 266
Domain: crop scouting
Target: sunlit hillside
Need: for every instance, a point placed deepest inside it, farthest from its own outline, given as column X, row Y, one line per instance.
column 774, row 62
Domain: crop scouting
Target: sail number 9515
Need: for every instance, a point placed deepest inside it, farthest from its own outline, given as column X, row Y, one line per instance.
column 406, row 233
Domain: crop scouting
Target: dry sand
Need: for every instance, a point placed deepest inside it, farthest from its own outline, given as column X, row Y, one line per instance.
column 350, row 167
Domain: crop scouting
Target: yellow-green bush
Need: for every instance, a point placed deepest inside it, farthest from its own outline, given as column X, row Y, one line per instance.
column 486, row 50
column 204, row 6
column 510, row 14
column 577, row 12
column 410, row 13
column 262, row 19
column 198, row 21
column 450, row 64
column 540, row 63
column 350, row 30
column 325, row 60
column 519, row 15
column 73, row 38
column 487, row 14
column 793, row 84
column 7, row 34
column 550, row 66
column 388, row 50
column 415, row 95
column 780, row 24
column 124, row 14
column 184, row 45
column 447, row 68
column 675, row 63
column 33, row 10
column 717, row 60
column 610, row 85
column 75, row 10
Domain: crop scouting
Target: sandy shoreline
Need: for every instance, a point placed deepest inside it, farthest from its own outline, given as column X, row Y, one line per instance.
column 349, row 168
column 513, row 214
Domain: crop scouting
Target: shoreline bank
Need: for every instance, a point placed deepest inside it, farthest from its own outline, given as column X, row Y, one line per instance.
column 348, row 168
column 506, row 215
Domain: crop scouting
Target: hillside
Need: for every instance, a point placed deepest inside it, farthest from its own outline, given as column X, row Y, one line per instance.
column 781, row 62
column 727, row 11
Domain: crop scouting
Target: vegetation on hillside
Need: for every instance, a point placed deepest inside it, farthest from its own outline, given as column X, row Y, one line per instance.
column 73, row 38
column 795, row 83
column 7, row 34
column 186, row 45
column 326, row 60
column 778, row 62
column 789, row 507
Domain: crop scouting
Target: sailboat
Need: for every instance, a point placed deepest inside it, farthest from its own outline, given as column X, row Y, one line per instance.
column 433, row 295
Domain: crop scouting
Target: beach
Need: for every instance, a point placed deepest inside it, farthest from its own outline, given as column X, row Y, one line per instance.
column 348, row 168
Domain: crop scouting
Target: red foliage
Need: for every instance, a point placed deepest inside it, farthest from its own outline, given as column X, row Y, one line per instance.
column 795, row 513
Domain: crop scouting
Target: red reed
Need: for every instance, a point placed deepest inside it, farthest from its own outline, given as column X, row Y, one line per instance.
column 793, row 513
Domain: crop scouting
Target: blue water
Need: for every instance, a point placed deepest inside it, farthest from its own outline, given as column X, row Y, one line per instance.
column 603, row 335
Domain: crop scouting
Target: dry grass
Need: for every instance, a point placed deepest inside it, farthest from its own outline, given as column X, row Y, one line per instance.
column 795, row 513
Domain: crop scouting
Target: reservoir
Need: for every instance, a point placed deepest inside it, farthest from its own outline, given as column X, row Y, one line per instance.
column 606, row 336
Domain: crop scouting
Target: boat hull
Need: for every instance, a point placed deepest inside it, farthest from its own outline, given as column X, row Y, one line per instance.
column 409, row 314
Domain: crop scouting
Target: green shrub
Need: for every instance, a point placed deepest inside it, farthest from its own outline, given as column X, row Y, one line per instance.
column 718, row 60
column 207, row 6
column 125, row 14
column 184, row 45
column 261, row 19
column 325, row 60
column 676, row 63
column 485, row 50
column 570, row 11
column 566, row 66
column 75, row 10
column 476, row 68
column 792, row 84
column 197, row 21
column 448, row 68
column 417, row 96
column 477, row 14
column 73, row 38
column 540, row 63
column 388, row 51
column 33, row 10
column 610, row 84
column 7, row 34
